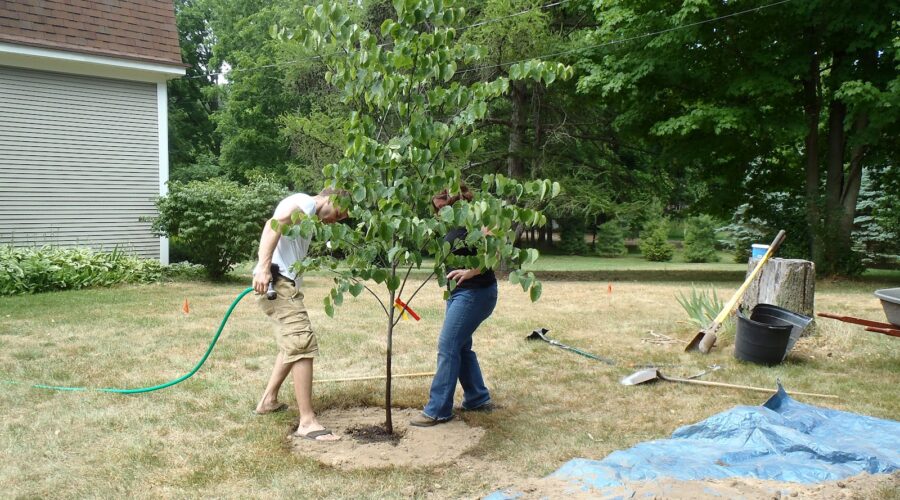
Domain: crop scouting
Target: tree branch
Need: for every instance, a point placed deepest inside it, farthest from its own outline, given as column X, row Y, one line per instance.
column 356, row 281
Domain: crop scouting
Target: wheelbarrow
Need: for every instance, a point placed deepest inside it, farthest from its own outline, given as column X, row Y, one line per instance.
column 890, row 301
column 871, row 326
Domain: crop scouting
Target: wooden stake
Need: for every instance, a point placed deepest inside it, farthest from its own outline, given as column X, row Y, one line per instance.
column 376, row 377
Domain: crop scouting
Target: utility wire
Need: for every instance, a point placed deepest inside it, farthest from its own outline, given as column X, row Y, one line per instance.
column 623, row 40
column 540, row 56
column 313, row 58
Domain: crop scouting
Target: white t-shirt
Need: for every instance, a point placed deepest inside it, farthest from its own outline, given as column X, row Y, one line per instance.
column 290, row 250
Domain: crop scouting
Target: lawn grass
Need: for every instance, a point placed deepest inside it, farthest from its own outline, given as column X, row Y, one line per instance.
column 199, row 439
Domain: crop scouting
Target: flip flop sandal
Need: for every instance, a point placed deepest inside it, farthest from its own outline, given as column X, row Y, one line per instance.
column 279, row 408
column 312, row 435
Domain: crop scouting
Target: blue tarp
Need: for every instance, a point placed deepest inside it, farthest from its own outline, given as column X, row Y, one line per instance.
column 782, row 440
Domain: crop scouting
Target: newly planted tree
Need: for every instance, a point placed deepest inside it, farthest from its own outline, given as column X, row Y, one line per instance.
column 407, row 139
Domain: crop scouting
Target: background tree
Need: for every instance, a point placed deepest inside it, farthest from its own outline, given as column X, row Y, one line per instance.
column 192, row 133
column 258, row 93
column 406, row 138
column 738, row 98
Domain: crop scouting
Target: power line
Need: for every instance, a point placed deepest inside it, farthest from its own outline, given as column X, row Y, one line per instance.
column 313, row 58
column 541, row 56
column 624, row 40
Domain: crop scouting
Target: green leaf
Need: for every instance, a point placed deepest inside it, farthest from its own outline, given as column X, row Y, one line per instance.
column 526, row 282
column 554, row 191
column 535, row 291
column 329, row 309
column 356, row 289
column 393, row 282
column 359, row 193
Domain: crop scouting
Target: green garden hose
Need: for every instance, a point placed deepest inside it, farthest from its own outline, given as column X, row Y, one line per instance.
column 167, row 384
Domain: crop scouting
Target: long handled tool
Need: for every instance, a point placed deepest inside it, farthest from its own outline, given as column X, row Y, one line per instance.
column 541, row 334
column 871, row 326
column 706, row 338
column 652, row 375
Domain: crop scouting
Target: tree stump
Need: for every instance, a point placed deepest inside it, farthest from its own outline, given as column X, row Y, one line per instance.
column 787, row 283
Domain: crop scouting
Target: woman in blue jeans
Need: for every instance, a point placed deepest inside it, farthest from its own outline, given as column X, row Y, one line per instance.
column 470, row 303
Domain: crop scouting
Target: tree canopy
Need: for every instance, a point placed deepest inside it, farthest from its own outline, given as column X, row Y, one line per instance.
column 773, row 115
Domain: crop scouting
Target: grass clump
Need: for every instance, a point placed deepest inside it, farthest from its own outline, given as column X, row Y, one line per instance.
column 702, row 306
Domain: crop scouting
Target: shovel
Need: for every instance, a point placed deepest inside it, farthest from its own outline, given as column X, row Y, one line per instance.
column 541, row 335
column 706, row 338
column 652, row 375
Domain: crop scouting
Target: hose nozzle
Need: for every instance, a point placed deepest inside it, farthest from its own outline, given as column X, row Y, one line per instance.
column 271, row 293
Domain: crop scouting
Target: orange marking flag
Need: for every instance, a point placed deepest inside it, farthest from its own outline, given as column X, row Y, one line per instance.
column 406, row 309
column 186, row 307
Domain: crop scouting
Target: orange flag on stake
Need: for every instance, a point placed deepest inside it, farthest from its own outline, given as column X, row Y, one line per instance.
column 186, row 307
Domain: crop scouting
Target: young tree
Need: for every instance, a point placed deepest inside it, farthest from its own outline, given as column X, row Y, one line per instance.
column 408, row 134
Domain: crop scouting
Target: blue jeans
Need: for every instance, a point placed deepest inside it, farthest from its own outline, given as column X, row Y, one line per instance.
column 466, row 309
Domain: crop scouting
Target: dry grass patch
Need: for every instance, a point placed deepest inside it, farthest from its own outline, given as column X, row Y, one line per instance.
column 200, row 439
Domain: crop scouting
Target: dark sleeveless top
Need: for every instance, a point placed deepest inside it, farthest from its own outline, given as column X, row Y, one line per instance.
column 482, row 280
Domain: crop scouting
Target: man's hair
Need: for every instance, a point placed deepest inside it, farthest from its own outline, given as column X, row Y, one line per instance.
column 443, row 199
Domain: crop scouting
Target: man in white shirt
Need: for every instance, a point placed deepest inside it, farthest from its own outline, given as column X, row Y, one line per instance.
column 297, row 344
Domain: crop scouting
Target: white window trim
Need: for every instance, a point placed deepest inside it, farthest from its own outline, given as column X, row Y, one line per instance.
column 162, row 102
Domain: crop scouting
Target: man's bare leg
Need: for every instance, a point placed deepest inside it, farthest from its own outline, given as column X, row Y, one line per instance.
column 303, row 376
column 269, row 401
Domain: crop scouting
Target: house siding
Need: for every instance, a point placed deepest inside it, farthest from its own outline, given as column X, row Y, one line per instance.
column 79, row 161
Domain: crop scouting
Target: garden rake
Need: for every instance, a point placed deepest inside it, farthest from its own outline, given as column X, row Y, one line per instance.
column 541, row 334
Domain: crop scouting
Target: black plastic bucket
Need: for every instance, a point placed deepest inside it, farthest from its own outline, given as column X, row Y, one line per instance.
column 768, row 334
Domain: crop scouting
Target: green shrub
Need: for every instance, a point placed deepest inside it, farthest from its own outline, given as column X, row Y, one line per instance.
column 655, row 244
column 571, row 237
column 34, row 270
column 184, row 271
column 610, row 240
column 700, row 239
column 217, row 222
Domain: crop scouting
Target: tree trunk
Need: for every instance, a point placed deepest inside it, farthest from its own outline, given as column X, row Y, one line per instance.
column 787, row 283
column 813, row 109
column 834, row 254
column 538, row 131
column 515, row 166
column 388, row 422
column 853, row 180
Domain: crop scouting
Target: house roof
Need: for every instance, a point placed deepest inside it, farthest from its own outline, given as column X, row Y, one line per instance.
column 142, row 30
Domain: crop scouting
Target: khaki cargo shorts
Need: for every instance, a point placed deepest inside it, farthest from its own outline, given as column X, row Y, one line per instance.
column 293, row 331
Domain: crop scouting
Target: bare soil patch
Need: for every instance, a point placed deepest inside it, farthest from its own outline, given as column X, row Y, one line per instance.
column 362, row 446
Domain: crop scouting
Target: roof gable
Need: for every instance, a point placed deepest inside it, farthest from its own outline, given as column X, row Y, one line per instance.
column 143, row 30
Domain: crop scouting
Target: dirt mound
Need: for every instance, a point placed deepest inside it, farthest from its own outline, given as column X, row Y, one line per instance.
column 416, row 446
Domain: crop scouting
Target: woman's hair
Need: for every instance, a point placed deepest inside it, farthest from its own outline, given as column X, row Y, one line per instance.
column 443, row 199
